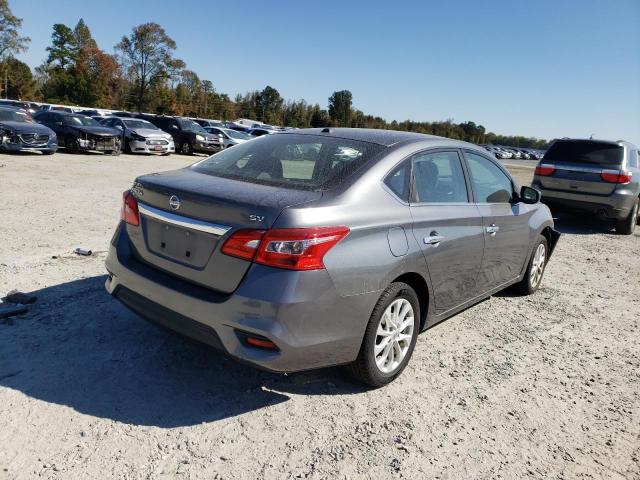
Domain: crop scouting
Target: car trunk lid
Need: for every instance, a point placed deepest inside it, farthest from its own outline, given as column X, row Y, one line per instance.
column 185, row 216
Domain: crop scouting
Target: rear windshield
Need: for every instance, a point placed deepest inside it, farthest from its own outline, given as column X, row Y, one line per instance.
column 306, row 162
column 598, row 153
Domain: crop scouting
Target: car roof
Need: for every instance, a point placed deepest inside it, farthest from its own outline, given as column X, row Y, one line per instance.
column 385, row 138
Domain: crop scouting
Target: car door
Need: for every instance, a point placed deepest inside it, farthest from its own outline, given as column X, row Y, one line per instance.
column 447, row 226
column 505, row 221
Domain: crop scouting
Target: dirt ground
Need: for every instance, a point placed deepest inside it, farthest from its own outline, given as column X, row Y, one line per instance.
column 546, row 386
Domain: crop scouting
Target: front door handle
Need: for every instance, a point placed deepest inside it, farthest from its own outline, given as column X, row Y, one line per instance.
column 433, row 239
column 492, row 229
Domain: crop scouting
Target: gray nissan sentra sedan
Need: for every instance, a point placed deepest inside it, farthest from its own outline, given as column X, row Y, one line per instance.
column 326, row 246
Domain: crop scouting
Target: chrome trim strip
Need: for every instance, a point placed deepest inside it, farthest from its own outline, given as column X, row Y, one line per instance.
column 578, row 168
column 181, row 221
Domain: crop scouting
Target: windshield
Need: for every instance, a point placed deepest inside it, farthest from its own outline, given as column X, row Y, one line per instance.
column 190, row 125
column 237, row 135
column 599, row 153
column 80, row 120
column 12, row 116
column 140, row 124
column 297, row 161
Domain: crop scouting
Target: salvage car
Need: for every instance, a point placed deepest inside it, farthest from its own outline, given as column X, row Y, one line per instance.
column 18, row 132
column 601, row 177
column 188, row 136
column 79, row 133
column 141, row 136
column 229, row 137
column 321, row 247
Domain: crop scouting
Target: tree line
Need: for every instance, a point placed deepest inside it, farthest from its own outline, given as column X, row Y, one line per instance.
column 144, row 74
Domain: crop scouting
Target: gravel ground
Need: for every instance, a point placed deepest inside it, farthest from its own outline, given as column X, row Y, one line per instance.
column 546, row 386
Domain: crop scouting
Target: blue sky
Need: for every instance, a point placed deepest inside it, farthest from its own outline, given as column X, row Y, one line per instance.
column 545, row 68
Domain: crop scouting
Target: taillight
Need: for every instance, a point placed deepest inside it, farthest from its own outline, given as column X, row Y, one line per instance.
column 545, row 169
column 243, row 244
column 291, row 248
column 129, row 213
column 616, row 176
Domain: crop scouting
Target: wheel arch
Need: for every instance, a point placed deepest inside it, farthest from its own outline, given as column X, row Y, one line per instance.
column 419, row 285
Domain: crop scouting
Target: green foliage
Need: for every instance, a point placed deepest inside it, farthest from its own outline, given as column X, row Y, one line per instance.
column 11, row 43
column 64, row 48
column 147, row 57
column 340, row 109
column 19, row 79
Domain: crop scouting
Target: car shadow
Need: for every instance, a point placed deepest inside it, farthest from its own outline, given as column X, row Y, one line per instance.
column 579, row 223
column 81, row 348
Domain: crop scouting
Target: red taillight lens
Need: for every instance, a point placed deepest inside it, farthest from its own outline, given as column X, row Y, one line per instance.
column 129, row 213
column 298, row 248
column 616, row 176
column 545, row 169
column 291, row 248
column 243, row 244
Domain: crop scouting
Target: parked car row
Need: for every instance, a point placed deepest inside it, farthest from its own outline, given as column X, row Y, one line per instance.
column 514, row 152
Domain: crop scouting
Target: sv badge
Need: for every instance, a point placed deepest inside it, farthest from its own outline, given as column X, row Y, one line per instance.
column 256, row 218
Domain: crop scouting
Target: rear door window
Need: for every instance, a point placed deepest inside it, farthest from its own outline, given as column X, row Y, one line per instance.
column 586, row 152
column 438, row 178
column 292, row 160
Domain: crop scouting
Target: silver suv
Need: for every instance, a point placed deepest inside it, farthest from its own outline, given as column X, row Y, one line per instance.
column 598, row 176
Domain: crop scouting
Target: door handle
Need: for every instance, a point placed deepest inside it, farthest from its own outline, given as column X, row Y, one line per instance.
column 433, row 239
column 492, row 229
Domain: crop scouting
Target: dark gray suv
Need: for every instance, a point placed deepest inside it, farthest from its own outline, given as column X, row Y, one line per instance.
column 323, row 247
column 598, row 176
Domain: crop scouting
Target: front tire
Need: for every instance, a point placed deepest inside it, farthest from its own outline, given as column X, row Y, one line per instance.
column 390, row 336
column 535, row 270
column 628, row 225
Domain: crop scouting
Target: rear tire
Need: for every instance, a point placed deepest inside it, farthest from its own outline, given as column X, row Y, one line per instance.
column 628, row 225
column 390, row 337
column 186, row 148
column 535, row 270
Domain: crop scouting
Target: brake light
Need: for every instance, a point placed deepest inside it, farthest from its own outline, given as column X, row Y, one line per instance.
column 243, row 244
column 545, row 169
column 290, row 248
column 616, row 176
column 129, row 213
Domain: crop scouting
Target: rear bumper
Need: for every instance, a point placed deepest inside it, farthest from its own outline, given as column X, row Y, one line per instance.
column 615, row 206
column 301, row 312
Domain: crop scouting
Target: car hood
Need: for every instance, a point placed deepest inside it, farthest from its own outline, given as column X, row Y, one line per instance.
column 99, row 131
column 150, row 132
column 23, row 127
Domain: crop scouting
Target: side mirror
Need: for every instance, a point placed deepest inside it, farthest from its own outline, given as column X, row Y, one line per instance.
column 59, row 123
column 119, row 127
column 529, row 195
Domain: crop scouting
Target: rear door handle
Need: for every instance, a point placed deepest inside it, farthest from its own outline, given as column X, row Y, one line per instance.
column 492, row 229
column 433, row 239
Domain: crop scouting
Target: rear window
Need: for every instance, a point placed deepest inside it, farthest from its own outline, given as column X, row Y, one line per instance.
column 598, row 153
column 306, row 162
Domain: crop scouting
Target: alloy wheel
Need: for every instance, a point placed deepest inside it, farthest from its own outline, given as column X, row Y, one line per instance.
column 394, row 334
column 537, row 266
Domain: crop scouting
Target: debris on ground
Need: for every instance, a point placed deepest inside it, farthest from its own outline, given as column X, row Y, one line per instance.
column 15, row 296
column 83, row 251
